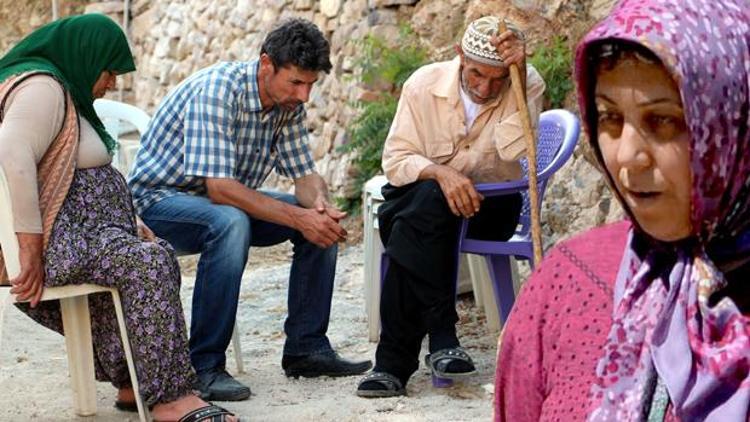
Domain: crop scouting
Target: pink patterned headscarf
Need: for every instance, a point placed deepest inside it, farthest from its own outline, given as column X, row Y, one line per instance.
column 665, row 331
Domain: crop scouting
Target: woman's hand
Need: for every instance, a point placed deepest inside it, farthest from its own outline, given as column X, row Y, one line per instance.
column 29, row 284
column 143, row 231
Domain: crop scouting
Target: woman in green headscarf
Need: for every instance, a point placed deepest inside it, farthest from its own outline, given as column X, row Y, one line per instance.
column 73, row 216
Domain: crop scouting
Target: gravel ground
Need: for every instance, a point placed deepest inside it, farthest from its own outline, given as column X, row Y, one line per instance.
column 34, row 380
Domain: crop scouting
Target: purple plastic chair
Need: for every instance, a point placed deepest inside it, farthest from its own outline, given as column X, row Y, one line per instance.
column 557, row 135
column 556, row 139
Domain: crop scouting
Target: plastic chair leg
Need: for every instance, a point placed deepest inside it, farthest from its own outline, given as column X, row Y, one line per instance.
column 4, row 295
column 372, row 251
column 376, row 287
column 439, row 382
column 514, row 274
column 478, row 283
column 237, row 348
column 77, row 326
column 502, row 280
column 372, row 298
column 485, row 297
column 143, row 415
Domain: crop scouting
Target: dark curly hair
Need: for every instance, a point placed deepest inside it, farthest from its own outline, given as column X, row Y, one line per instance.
column 300, row 43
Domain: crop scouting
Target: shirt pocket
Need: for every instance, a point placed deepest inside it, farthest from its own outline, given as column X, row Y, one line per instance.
column 440, row 152
column 511, row 144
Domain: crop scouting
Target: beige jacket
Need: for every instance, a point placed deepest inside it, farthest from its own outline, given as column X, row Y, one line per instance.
column 429, row 128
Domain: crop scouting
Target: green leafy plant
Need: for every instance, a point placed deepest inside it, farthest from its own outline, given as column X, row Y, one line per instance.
column 368, row 134
column 554, row 63
column 381, row 62
column 384, row 69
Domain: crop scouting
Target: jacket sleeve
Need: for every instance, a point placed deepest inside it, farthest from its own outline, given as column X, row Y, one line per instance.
column 404, row 155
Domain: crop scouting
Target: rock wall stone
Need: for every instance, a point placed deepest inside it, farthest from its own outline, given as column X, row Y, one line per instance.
column 171, row 39
column 18, row 18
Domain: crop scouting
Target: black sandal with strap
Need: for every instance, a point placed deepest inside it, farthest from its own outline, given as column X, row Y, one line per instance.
column 382, row 384
column 210, row 413
column 440, row 363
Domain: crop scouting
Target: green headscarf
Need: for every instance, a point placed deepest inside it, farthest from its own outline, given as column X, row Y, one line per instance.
column 75, row 50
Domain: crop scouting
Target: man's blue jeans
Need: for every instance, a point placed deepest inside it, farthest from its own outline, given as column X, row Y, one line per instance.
column 222, row 235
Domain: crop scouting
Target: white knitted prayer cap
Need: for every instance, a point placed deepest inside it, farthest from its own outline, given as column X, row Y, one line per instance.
column 476, row 41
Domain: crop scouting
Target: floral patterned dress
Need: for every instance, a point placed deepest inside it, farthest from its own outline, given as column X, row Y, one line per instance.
column 94, row 240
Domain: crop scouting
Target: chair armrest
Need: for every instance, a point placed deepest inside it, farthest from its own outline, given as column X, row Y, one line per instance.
column 504, row 188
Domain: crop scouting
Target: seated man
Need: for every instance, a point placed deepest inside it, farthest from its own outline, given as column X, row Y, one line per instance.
column 212, row 142
column 457, row 124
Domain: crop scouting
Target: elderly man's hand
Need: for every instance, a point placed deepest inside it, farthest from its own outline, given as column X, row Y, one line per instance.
column 511, row 48
column 463, row 199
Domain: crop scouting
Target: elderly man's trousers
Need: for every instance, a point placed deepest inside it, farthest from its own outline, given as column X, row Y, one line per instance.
column 420, row 235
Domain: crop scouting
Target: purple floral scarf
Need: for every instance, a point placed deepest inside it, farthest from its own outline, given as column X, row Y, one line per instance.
column 667, row 330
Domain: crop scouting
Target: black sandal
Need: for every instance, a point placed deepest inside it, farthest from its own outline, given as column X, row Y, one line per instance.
column 126, row 406
column 386, row 385
column 440, row 361
column 210, row 413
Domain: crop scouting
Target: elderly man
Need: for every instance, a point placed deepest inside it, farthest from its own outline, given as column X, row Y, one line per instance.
column 211, row 144
column 457, row 124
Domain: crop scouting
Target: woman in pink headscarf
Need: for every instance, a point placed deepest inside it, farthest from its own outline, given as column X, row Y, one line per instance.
column 649, row 320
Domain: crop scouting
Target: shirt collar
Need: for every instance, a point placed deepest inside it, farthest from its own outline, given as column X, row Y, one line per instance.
column 251, row 83
column 448, row 87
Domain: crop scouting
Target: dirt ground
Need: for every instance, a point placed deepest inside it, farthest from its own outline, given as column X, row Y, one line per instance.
column 34, row 379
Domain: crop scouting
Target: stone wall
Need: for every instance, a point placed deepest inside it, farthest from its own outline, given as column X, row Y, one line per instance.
column 172, row 39
column 18, row 18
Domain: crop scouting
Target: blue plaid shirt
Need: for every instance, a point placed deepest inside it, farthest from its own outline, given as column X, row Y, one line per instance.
column 213, row 125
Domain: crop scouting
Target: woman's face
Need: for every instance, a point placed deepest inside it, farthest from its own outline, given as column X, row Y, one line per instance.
column 106, row 82
column 644, row 141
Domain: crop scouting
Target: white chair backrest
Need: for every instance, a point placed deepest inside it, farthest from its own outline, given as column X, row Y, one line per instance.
column 8, row 240
column 120, row 118
column 9, row 244
column 113, row 112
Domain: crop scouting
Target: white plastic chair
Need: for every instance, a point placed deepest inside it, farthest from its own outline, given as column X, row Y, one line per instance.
column 120, row 118
column 114, row 113
column 75, row 318
column 373, row 249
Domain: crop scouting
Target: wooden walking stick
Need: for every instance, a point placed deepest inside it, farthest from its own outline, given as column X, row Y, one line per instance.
column 536, row 227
